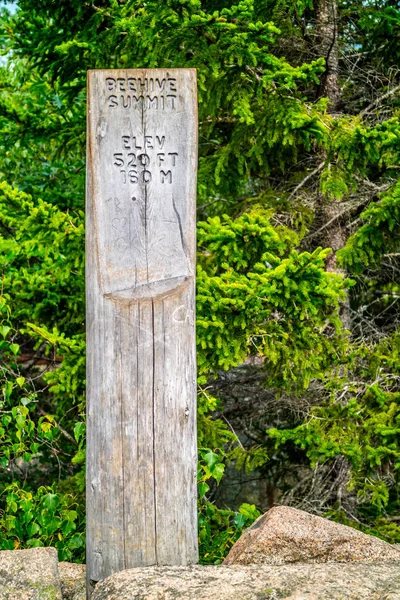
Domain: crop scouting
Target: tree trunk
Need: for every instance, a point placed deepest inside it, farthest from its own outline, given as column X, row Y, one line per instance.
column 335, row 236
column 327, row 34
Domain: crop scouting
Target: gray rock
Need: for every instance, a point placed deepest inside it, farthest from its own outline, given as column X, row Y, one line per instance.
column 287, row 535
column 73, row 581
column 29, row 574
column 288, row 582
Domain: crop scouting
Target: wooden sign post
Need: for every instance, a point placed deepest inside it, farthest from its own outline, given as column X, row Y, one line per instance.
column 141, row 364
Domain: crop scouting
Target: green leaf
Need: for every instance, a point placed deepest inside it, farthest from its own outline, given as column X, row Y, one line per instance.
column 210, row 458
column 33, row 529
column 20, row 421
column 68, row 527
column 217, row 471
column 6, row 420
column 240, row 521
column 34, row 543
column 249, row 511
column 79, row 430
column 79, row 457
column 77, row 541
column 203, row 489
column 50, row 501
column 7, row 544
column 4, row 330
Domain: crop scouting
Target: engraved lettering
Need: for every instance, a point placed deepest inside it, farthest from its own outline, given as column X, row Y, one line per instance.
column 110, row 84
column 182, row 314
column 166, row 175
column 121, row 84
column 173, row 154
column 136, row 100
column 142, row 85
column 152, row 102
column 172, row 98
column 133, row 178
column 135, row 167
column 144, row 159
column 132, row 84
column 151, row 86
column 118, row 159
column 119, row 223
column 122, row 244
column 132, row 160
column 161, row 84
column 172, row 84
column 128, row 101
column 149, row 93
column 146, row 176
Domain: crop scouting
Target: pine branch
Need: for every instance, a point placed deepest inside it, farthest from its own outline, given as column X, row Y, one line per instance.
column 309, row 176
column 379, row 100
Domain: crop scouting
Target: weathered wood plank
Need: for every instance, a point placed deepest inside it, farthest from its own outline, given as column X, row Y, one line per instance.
column 141, row 365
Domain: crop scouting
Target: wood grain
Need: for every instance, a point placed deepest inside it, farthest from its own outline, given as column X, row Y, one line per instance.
column 141, row 363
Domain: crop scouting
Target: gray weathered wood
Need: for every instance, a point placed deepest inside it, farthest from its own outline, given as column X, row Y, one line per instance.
column 141, row 365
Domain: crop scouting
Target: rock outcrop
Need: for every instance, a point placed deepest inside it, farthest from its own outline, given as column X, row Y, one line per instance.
column 36, row 574
column 29, row 574
column 288, row 582
column 73, row 581
column 356, row 567
column 286, row 535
